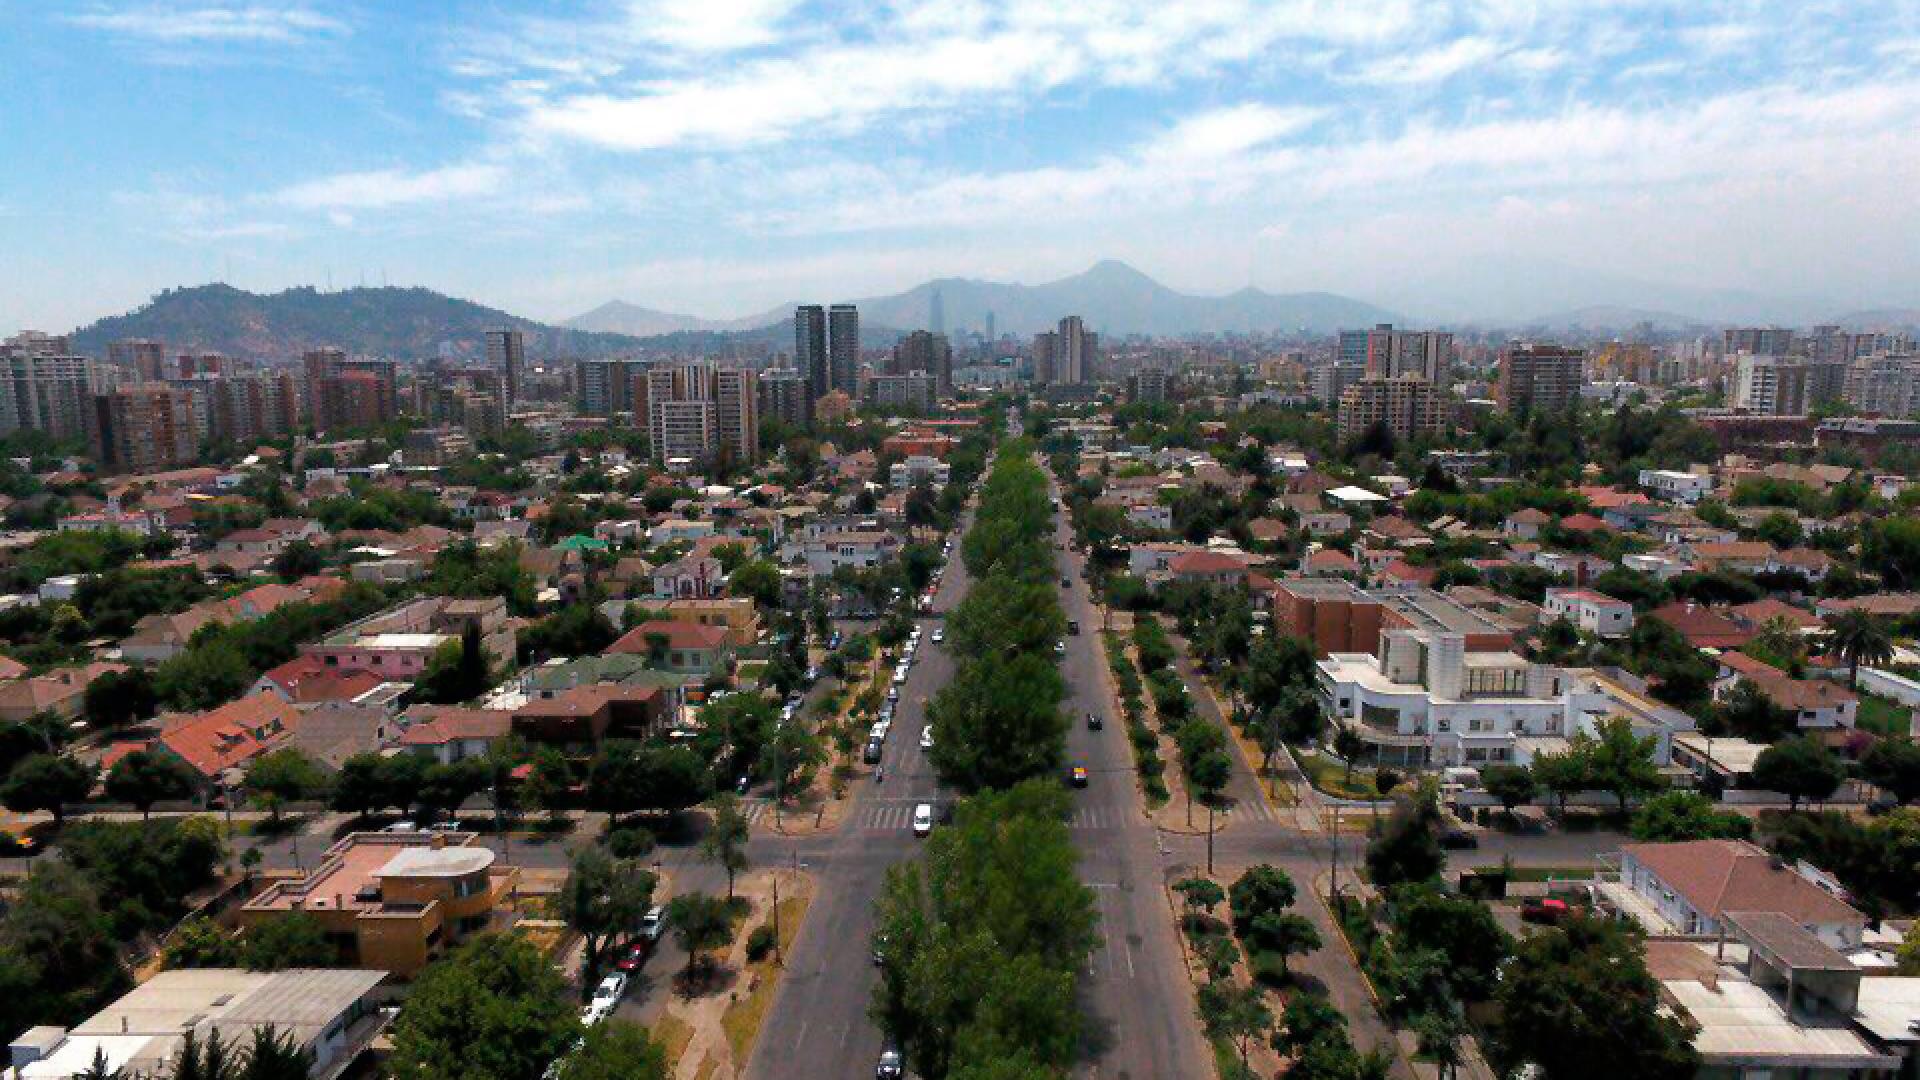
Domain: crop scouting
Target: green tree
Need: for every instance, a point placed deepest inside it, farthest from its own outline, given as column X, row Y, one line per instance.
column 1799, row 768
column 211, row 1058
column 1307, row 1018
column 725, row 843
column 358, row 788
column 59, row 960
column 447, row 786
column 1281, row 935
column 1461, row 929
column 1511, row 784
column 457, row 672
column 1578, row 1003
column 283, row 776
column 1260, row 890
column 550, row 782
column 493, row 1009
column 1407, row 849
column 199, row 942
column 758, row 580
column 1566, row 773
column 575, row 630
column 98, row 1069
column 1860, row 638
column 1200, row 896
column 292, row 940
column 274, row 1055
column 118, row 698
column 1674, row 816
column 1894, row 766
column 701, row 923
column 145, row 777
column 1622, row 763
column 617, row 1050
column 46, row 782
column 1234, row 1012
column 602, row 900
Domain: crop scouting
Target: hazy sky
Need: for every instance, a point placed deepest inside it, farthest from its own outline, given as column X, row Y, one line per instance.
column 720, row 156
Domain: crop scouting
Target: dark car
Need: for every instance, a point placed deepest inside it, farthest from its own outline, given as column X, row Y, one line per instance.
column 1078, row 776
column 1094, row 722
column 1066, row 583
column 1459, row 840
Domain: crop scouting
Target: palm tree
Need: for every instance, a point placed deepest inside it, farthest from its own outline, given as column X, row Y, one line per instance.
column 1778, row 637
column 1860, row 638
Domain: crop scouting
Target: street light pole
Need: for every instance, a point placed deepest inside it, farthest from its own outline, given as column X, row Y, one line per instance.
column 1209, row 839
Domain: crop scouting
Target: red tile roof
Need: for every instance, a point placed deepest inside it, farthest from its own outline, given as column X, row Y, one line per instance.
column 1719, row 876
column 1702, row 627
column 308, row 680
column 437, row 725
column 233, row 734
column 679, row 634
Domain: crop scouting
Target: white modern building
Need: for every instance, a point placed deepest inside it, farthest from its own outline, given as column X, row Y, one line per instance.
column 1595, row 613
column 1677, row 486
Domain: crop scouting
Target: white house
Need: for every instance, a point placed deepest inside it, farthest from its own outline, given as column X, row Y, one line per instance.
column 1685, row 889
column 1596, row 613
column 1677, row 486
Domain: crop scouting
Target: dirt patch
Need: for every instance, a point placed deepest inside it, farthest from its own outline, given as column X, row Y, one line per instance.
column 723, row 1024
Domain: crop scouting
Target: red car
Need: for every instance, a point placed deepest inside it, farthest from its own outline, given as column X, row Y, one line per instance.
column 1547, row 911
column 633, row 959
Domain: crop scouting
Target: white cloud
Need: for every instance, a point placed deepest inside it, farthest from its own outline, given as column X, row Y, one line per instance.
column 1419, row 66
column 1234, row 130
column 710, row 26
column 211, row 23
column 385, row 188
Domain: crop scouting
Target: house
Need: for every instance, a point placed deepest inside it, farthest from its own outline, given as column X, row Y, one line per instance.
column 219, row 743
column 450, row 733
column 736, row 615
column 1686, row 889
column 394, row 901
column 1572, row 565
column 1325, row 522
column 1595, row 613
column 861, row 549
column 1702, row 627
column 1810, row 564
column 1739, row 556
column 1525, row 524
column 331, row 1015
column 1145, row 560
column 677, row 645
column 583, row 716
column 1208, row 568
column 1757, row 615
column 396, row 644
column 693, row 577
column 158, row 638
column 1676, row 486
column 61, row 692
column 1329, row 562
column 1401, row 573
column 1815, row 705
column 309, row 680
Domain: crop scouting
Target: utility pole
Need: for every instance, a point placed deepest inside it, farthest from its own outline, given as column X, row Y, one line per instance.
column 1209, row 839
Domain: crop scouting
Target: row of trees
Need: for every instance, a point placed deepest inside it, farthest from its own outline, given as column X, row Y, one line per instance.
column 998, row 721
column 981, row 944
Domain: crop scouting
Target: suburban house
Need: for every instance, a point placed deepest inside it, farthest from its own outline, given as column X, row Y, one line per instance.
column 677, row 645
column 394, row 901
column 229, row 738
column 450, row 733
column 397, row 643
column 1595, row 613
column 693, row 577
column 61, row 692
column 1702, row 627
column 1687, row 889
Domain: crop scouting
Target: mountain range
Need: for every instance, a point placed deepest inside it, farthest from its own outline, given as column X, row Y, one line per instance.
column 1111, row 296
column 405, row 323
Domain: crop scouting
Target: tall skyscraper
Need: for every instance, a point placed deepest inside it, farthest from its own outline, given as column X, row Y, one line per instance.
column 784, row 397
column 242, row 408
column 1331, row 381
column 810, row 348
column 507, row 354
column 1758, row 340
column 927, row 352
column 843, row 347
column 1407, row 406
column 608, row 387
column 1384, row 352
column 1771, row 385
column 1069, row 354
column 46, row 388
column 936, row 313
column 146, row 426
column 1541, row 378
column 703, row 413
column 147, row 359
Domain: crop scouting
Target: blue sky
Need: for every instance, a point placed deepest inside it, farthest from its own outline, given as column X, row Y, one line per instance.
column 722, row 156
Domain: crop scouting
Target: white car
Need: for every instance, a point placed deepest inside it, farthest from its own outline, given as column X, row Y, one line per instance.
column 610, row 991
column 653, row 923
column 923, row 819
column 592, row 1015
column 926, row 737
column 939, row 635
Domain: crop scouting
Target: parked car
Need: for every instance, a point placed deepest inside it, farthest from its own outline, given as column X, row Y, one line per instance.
column 1073, row 626
column 926, row 737
column 923, row 819
column 610, row 991
column 1547, row 911
column 1060, row 648
column 653, row 924
column 401, row 827
column 1094, row 722
column 592, row 1015
column 1066, row 583
column 939, row 634
column 1458, row 840
column 1079, row 776
column 634, row 958
column 890, row 1066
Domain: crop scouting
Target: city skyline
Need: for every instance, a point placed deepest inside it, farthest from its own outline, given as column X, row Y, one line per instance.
column 548, row 164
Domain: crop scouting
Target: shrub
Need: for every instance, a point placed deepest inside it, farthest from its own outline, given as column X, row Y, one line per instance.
column 760, row 943
column 631, row 842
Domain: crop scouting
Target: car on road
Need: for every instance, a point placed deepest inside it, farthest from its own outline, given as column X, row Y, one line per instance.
column 592, row 1015
column 653, row 924
column 1078, row 776
column 1458, row 840
column 1093, row 722
column 1060, row 648
column 926, row 737
column 890, row 1066
column 1547, row 911
column 634, row 958
column 610, row 991
column 401, row 827
column 923, row 819
column 1066, row 583
column 872, row 754
column 1073, row 626
column 939, row 634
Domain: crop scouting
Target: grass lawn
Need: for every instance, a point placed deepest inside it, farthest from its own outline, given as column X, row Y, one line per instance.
column 1883, row 716
column 1331, row 778
column 1544, row 873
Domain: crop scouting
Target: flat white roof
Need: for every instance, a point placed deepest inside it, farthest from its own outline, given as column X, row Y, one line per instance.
column 1351, row 494
column 402, row 641
column 420, row 861
column 1739, row 1021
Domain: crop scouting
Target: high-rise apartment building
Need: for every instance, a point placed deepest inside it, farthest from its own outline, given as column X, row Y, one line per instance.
column 810, row 348
column 1770, row 385
column 1758, row 340
column 1407, row 406
column 1076, row 361
column 1148, row 384
column 843, row 347
column 45, row 389
column 507, row 354
column 244, row 408
column 703, row 413
column 146, row 426
column 1886, row 385
column 916, row 391
column 924, row 351
column 1331, row 381
column 1384, row 352
column 347, row 392
column 1541, row 378
column 784, row 397
column 146, row 359
column 609, row 387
